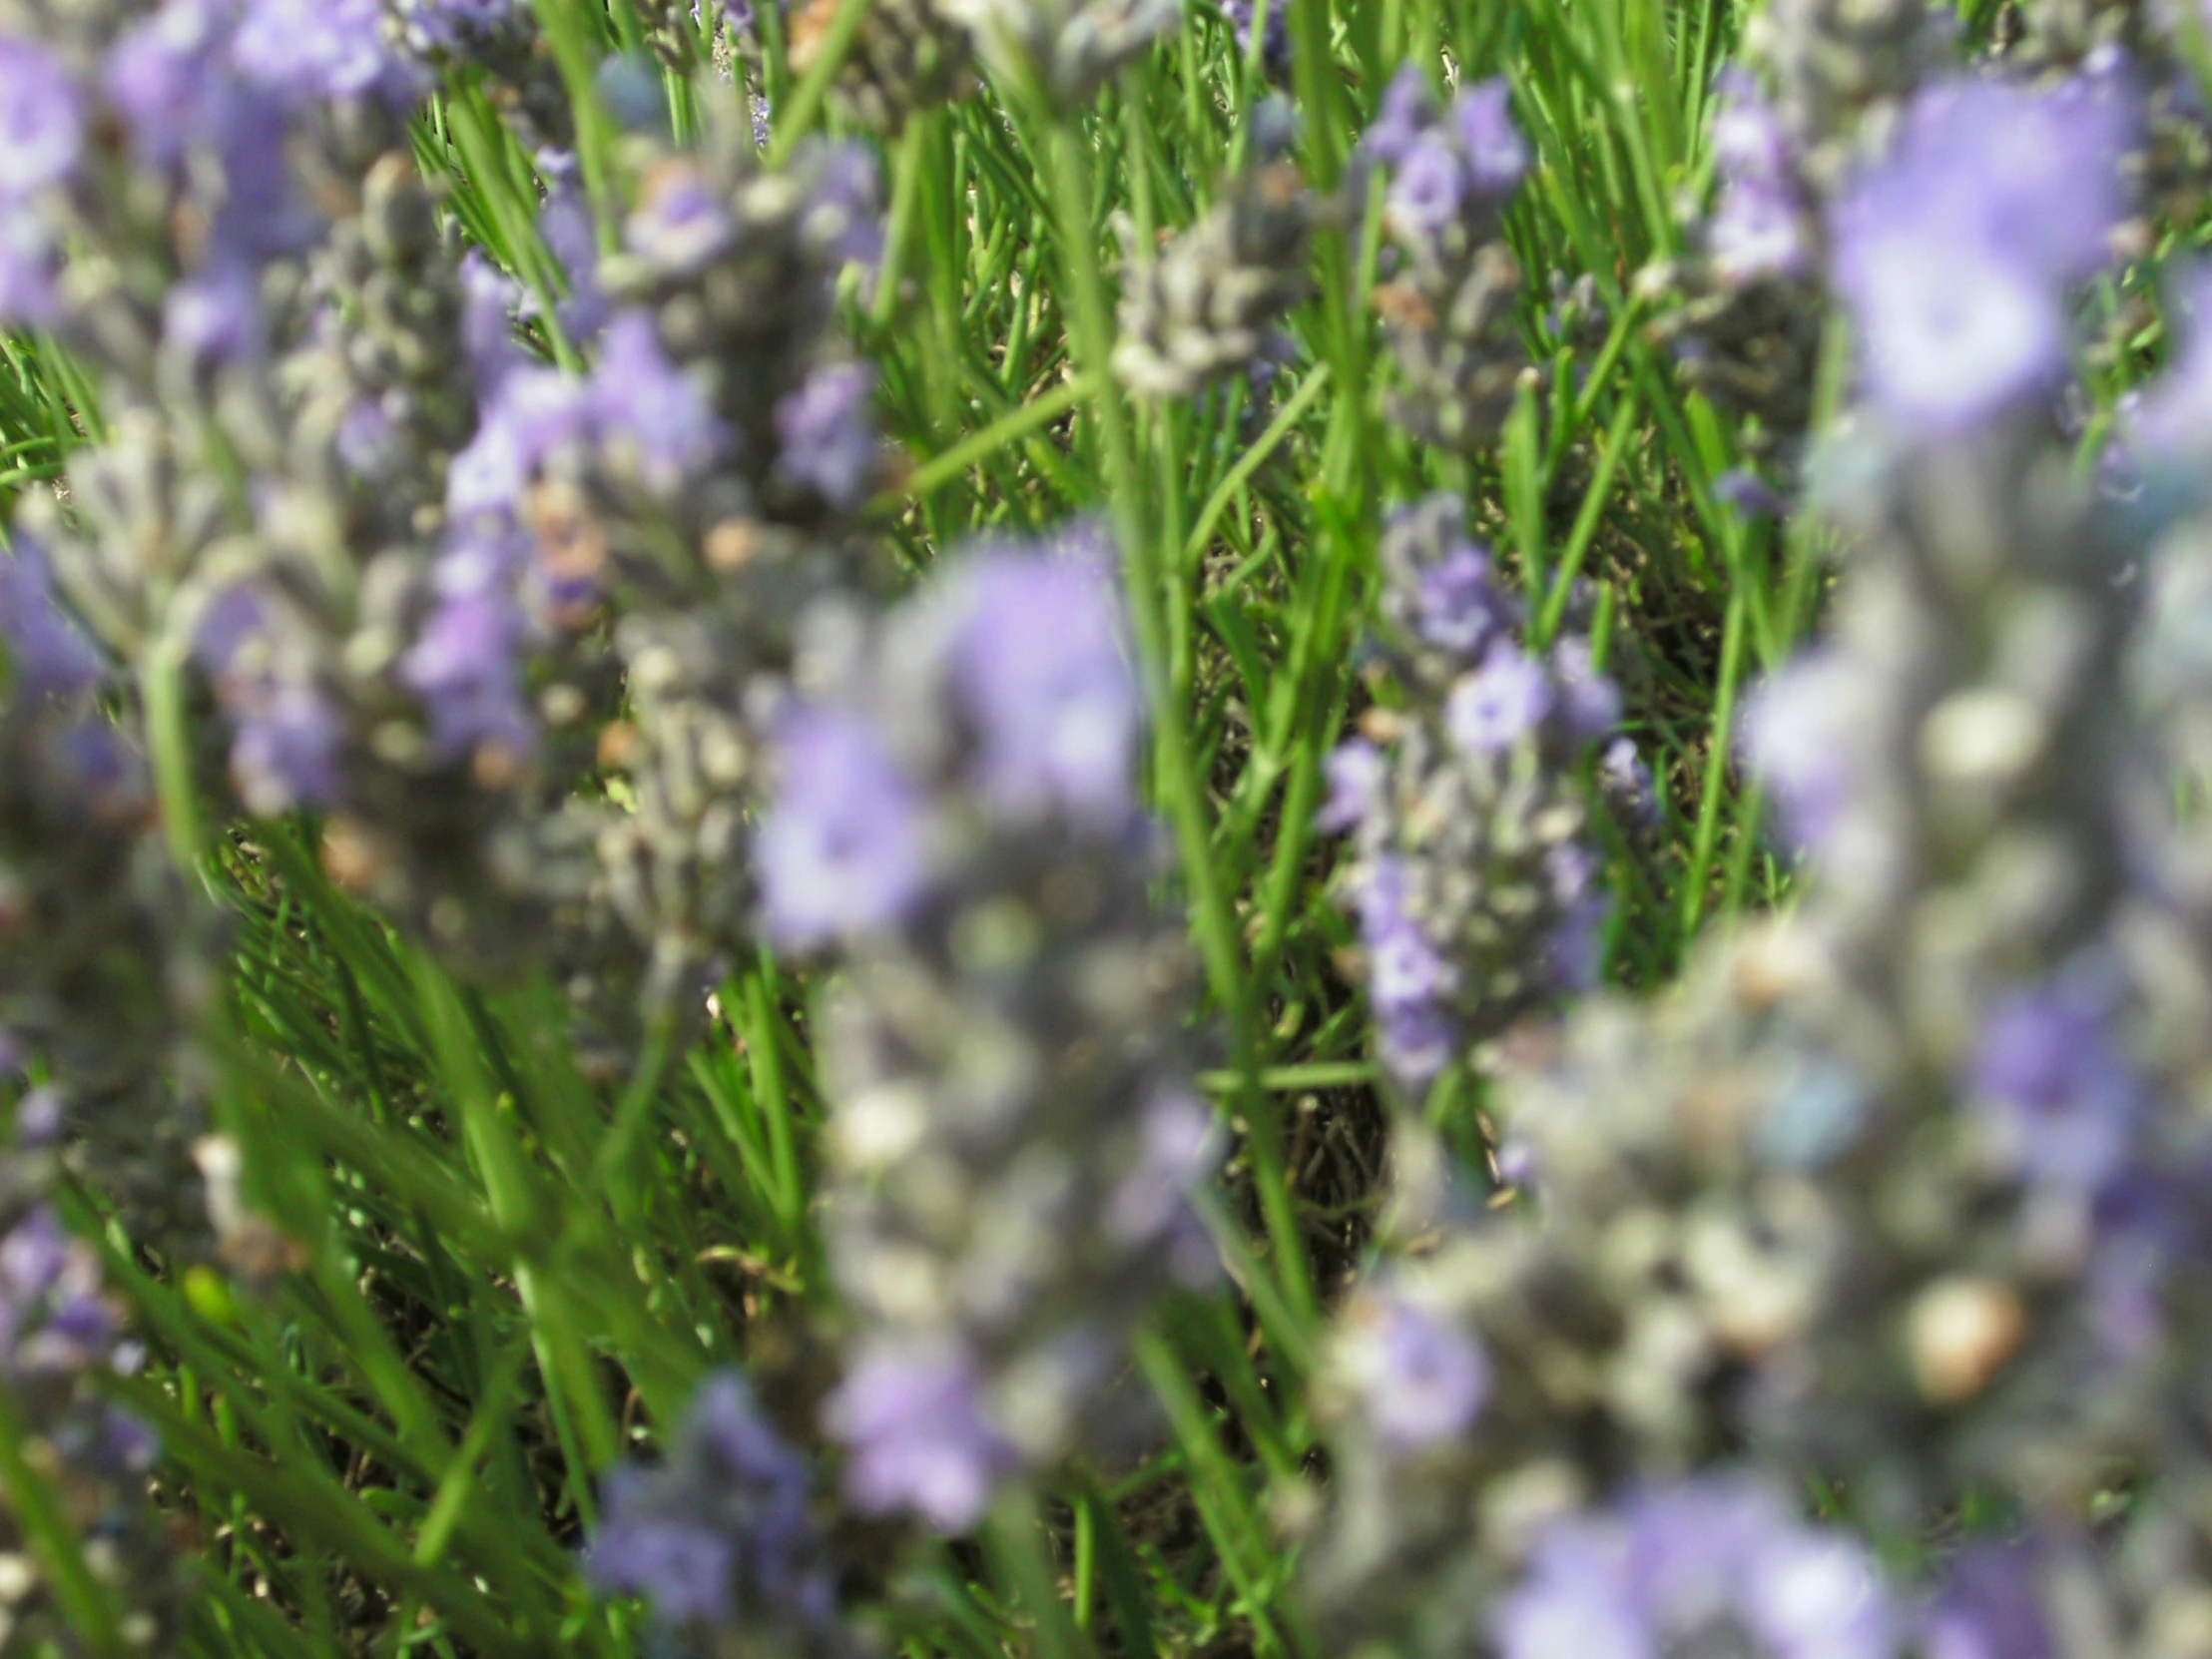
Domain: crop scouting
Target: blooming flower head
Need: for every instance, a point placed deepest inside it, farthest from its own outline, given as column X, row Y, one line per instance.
column 2052, row 1087
column 322, row 49
column 1043, row 674
column 1416, row 1378
column 53, row 1316
column 828, row 445
column 649, row 411
column 1988, row 1607
column 1401, row 116
column 463, row 667
column 41, row 120
column 722, row 1532
column 1409, row 978
column 1428, row 189
column 1955, row 251
column 1500, row 703
column 1357, row 773
column 47, row 656
column 1461, row 163
column 1759, row 230
column 1459, row 605
column 1497, row 153
column 1798, row 737
column 285, row 748
column 1709, row 1566
column 1749, row 139
column 911, row 1416
column 841, row 847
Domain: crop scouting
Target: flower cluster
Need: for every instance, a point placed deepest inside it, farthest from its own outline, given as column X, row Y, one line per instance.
column 712, row 493
column 1956, row 252
column 1474, row 874
column 101, row 978
column 415, row 566
column 720, row 1538
column 1902, row 1194
column 1273, row 36
column 1450, row 306
column 1745, row 317
column 58, row 1331
column 1205, row 306
column 1953, row 215
column 1013, row 1129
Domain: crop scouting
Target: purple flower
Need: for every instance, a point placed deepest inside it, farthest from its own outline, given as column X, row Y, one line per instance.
column 1954, row 251
column 464, row 668
column 1043, row 674
column 827, row 444
column 843, row 848
column 1588, row 697
column 1575, row 957
column 1419, row 1380
column 1275, row 48
column 29, row 263
column 1799, row 733
column 1748, row 140
column 1357, row 771
column 534, row 415
column 1428, row 189
column 1457, row 604
column 1401, row 119
column 168, row 76
column 214, row 318
column 1178, row 1150
column 1953, row 328
column 370, row 441
column 1750, row 495
column 41, row 120
column 722, row 1530
column 682, row 1569
column 910, row 1417
column 680, row 222
column 487, row 322
column 285, row 748
column 1758, row 230
column 650, row 410
column 844, row 211
column 1715, row 1565
column 1991, row 1607
column 54, row 1321
column 452, row 23
column 1497, row 153
column 47, row 656
column 1503, row 701
column 2051, row 1086
column 2042, row 169
column 1407, row 977
column 572, row 237
column 327, row 49
column 1628, row 783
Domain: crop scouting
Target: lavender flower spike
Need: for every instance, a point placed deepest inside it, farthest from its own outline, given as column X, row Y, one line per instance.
column 1014, row 1133
column 721, row 1537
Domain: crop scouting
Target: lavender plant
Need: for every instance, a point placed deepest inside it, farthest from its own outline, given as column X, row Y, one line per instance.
column 1014, row 1131
column 647, row 1094
column 1475, row 875
column 1452, row 173
column 1897, row 1194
